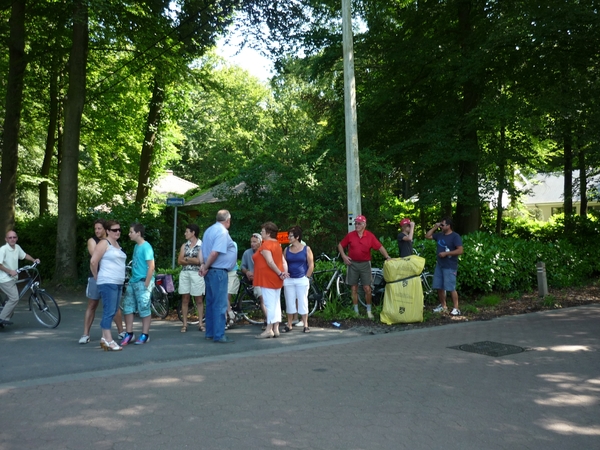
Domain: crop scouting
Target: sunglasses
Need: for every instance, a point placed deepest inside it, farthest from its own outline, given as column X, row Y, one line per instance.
column 115, row 230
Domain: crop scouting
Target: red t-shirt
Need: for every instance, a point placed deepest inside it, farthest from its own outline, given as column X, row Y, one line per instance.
column 263, row 275
column 359, row 248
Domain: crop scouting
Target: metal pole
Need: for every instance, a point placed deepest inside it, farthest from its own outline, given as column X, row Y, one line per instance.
column 174, row 236
column 352, row 163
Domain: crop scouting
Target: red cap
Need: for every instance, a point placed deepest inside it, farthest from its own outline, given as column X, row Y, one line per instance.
column 404, row 222
column 360, row 219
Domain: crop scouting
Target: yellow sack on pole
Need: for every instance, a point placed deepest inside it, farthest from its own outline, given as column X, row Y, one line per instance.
column 403, row 300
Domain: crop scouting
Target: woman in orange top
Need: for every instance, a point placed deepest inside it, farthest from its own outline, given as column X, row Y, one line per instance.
column 270, row 270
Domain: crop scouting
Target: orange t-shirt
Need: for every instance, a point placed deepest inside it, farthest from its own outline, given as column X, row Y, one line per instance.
column 263, row 275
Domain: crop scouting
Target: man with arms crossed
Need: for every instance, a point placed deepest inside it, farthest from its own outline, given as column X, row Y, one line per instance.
column 219, row 257
column 137, row 295
column 10, row 254
column 449, row 246
column 359, row 243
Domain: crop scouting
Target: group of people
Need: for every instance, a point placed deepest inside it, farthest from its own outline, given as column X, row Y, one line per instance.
column 360, row 242
column 207, row 266
column 106, row 280
column 266, row 266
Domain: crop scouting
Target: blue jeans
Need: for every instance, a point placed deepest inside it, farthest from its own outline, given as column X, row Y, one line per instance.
column 216, row 303
column 111, row 296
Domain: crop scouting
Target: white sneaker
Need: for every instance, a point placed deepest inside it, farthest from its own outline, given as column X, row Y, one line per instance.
column 84, row 339
column 369, row 314
column 122, row 334
column 440, row 309
column 455, row 312
column 299, row 324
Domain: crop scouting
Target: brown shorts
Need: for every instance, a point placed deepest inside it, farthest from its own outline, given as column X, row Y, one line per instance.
column 359, row 270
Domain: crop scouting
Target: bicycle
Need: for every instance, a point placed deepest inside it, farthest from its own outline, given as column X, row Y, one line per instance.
column 44, row 307
column 319, row 294
column 246, row 306
column 429, row 294
column 192, row 315
column 159, row 299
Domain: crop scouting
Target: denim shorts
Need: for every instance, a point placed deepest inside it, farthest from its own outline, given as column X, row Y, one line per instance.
column 91, row 291
column 137, row 298
column 444, row 279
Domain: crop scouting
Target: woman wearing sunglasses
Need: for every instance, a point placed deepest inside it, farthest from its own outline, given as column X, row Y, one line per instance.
column 110, row 278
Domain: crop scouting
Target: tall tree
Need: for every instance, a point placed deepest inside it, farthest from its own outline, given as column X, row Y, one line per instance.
column 12, row 116
column 66, row 235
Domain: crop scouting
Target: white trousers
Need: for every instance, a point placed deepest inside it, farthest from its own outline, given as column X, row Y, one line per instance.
column 296, row 288
column 272, row 301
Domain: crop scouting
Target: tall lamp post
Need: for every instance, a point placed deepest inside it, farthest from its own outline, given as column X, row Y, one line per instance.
column 352, row 162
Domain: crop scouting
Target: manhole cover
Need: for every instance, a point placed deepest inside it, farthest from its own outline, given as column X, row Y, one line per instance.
column 490, row 348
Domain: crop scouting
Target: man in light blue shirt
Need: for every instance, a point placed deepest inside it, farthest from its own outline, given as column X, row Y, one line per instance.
column 220, row 256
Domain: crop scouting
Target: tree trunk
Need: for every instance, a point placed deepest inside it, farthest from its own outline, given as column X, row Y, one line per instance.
column 50, row 141
column 17, row 63
column 152, row 124
column 568, row 173
column 66, row 235
column 582, row 184
column 501, row 180
column 467, row 205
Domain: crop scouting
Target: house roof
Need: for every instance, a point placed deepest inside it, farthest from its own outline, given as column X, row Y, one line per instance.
column 172, row 184
column 549, row 188
column 210, row 196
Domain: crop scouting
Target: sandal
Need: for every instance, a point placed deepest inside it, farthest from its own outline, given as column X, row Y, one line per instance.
column 287, row 329
column 202, row 328
column 183, row 329
column 113, row 346
column 306, row 330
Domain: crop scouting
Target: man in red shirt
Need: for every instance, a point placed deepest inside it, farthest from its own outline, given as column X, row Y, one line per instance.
column 359, row 243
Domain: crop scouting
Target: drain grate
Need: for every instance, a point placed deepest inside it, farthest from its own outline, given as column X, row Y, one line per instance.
column 490, row 348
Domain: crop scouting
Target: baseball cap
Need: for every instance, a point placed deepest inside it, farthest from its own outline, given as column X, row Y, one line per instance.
column 360, row 219
column 404, row 222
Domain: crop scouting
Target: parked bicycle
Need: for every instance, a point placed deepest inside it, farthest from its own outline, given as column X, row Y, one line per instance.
column 44, row 307
column 159, row 298
column 429, row 294
column 246, row 306
column 192, row 314
column 323, row 288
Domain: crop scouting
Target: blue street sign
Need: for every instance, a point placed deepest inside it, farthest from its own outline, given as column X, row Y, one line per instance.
column 175, row 201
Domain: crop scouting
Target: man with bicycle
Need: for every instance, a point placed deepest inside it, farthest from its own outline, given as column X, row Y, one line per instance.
column 10, row 254
column 360, row 242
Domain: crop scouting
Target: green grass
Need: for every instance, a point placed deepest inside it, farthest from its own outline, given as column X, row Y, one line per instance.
column 489, row 300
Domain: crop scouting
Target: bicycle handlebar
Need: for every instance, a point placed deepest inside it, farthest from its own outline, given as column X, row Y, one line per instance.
column 24, row 268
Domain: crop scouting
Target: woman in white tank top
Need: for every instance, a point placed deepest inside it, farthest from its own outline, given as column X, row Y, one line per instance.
column 110, row 258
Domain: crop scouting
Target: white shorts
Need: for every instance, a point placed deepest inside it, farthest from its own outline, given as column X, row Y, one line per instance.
column 233, row 282
column 191, row 283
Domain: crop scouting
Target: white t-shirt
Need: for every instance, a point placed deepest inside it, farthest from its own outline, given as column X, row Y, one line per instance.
column 9, row 258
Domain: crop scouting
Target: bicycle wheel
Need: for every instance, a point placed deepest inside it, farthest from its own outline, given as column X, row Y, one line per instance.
column 192, row 315
column 343, row 291
column 248, row 306
column 315, row 299
column 429, row 294
column 159, row 302
column 45, row 309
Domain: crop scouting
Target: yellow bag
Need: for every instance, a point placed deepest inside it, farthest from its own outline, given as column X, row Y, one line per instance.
column 403, row 300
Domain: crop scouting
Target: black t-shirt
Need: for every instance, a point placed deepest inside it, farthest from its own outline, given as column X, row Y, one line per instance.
column 404, row 247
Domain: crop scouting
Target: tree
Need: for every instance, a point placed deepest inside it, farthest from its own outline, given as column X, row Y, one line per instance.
column 12, row 115
column 66, row 259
